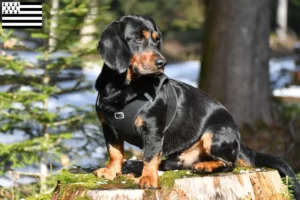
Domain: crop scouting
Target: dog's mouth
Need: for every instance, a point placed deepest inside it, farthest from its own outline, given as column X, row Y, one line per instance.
column 147, row 70
column 159, row 72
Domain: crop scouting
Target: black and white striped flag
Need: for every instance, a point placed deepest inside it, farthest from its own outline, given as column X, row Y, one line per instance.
column 22, row 15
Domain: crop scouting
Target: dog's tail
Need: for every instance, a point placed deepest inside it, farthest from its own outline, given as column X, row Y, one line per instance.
column 264, row 160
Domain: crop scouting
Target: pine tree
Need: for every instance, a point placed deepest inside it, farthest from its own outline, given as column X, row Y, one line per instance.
column 24, row 101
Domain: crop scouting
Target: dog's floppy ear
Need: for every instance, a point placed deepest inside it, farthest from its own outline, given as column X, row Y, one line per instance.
column 113, row 49
column 160, row 33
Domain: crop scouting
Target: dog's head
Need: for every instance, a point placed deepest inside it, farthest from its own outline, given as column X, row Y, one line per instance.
column 132, row 43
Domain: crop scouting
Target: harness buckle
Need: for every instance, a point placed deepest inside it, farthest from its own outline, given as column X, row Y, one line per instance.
column 119, row 115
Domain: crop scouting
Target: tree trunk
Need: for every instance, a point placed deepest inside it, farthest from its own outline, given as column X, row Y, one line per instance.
column 89, row 29
column 265, row 185
column 235, row 59
column 282, row 14
column 53, row 25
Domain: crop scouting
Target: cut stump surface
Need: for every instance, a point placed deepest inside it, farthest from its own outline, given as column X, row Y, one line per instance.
column 246, row 185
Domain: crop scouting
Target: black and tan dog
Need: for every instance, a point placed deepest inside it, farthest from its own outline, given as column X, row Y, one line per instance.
column 200, row 134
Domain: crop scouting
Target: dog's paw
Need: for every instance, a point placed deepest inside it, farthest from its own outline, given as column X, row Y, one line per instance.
column 147, row 182
column 105, row 173
column 207, row 167
column 200, row 168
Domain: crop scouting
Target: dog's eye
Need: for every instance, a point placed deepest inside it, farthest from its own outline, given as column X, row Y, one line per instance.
column 138, row 39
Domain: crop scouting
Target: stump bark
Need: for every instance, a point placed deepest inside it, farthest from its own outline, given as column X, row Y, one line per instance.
column 262, row 185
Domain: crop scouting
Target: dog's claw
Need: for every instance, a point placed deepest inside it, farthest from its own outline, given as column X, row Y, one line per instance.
column 147, row 182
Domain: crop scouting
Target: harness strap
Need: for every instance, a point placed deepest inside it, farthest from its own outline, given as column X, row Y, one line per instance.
column 124, row 120
column 172, row 106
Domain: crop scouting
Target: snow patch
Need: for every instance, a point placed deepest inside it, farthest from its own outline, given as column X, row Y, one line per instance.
column 292, row 91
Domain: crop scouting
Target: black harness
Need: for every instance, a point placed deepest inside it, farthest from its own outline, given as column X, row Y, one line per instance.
column 124, row 120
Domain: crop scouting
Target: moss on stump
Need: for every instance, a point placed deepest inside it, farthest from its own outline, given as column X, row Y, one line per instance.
column 242, row 183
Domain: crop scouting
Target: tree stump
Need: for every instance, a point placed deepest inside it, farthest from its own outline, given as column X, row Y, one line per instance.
column 257, row 184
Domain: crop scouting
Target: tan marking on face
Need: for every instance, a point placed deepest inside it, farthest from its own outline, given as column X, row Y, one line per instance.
column 144, row 62
column 146, row 34
column 201, row 148
column 154, row 35
column 129, row 75
column 139, row 122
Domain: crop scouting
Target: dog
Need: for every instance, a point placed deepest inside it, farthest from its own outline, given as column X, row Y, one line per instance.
column 137, row 103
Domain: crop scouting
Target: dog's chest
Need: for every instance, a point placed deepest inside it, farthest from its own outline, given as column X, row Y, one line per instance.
column 123, row 121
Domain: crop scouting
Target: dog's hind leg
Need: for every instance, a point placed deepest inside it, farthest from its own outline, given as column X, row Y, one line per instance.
column 220, row 148
column 171, row 163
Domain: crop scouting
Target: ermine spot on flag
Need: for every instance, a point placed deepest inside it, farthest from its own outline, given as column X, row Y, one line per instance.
column 22, row 15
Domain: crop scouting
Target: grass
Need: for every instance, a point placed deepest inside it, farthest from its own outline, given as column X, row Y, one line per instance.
column 40, row 197
column 289, row 184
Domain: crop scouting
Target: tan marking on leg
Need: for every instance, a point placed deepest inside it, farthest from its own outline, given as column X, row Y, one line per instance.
column 101, row 117
column 206, row 140
column 149, row 178
column 201, row 148
column 208, row 166
column 191, row 155
column 139, row 122
column 146, row 34
column 114, row 166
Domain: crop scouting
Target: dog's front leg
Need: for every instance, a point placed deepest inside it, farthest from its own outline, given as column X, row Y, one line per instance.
column 115, row 149
column 149, row 178
column 152, row 158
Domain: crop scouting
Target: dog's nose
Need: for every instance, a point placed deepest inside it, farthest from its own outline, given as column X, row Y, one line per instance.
column 160, row 62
